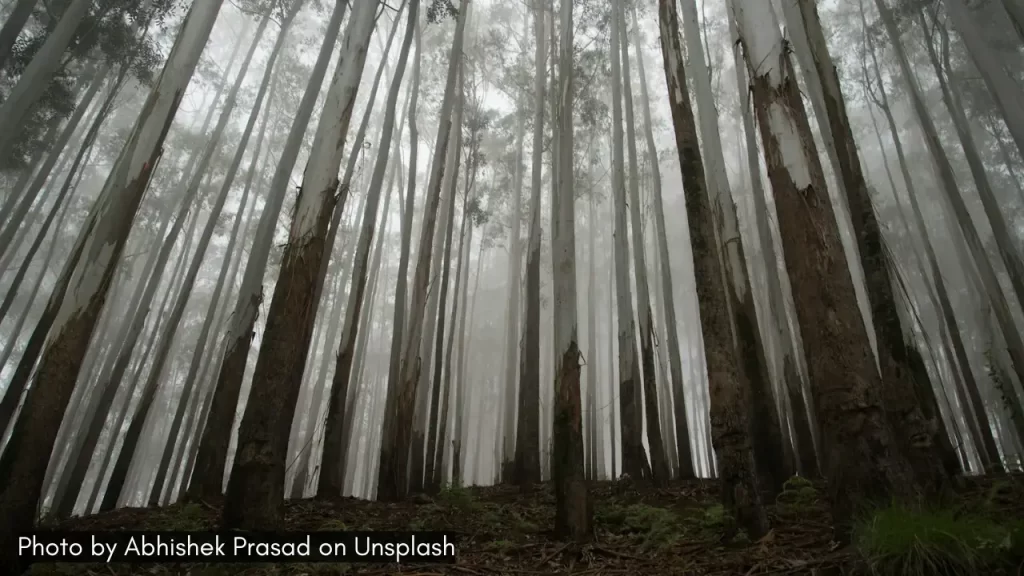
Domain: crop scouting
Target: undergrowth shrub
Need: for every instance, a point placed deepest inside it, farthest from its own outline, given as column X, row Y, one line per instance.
column 902, row 541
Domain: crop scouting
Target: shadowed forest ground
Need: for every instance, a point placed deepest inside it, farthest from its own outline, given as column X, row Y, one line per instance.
column 640, row 531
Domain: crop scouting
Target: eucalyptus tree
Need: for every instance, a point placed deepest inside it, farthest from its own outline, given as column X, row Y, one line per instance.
column 216, row 436
column 862, row 460
column 255, row 493
column 101, row 243
column 633, row 458
column 444, row 262
column 660, row 468
column 330, row 481
column 214, row 216
column 393, row 473
column 728, row 378
column 515, row 262
column 685, row 459
column 908, row 396
column 573, row 506
column 527, row 443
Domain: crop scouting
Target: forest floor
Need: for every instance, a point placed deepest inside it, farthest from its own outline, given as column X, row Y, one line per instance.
column 639, row 531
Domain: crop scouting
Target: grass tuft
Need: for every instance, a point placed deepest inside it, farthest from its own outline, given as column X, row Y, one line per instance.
column 902, row 541
column 458, row 498
column 656, row 527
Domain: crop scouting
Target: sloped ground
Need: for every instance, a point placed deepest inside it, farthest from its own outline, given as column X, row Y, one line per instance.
column 639, row 531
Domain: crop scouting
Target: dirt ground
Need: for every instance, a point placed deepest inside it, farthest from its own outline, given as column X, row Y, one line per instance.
column 638, row 530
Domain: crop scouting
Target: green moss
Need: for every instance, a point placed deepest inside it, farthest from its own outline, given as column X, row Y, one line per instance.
column 898, row 540
column 656, row 527
column 796, row 483
column 797, row 496
column 458, row 498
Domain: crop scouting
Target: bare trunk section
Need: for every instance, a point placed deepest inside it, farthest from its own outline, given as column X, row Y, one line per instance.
column 661, row 473
column 466, row 227
column 863, row 462
column 442, row 275
column 332, row 477
column 629, row 372
column 685, row 459
column 767, row 436
column 594, row 471
column 213, row 448
column 902, row 393
column 512, row 314
column 786, row 339
column 255, row 493
column 527, row 431
column 101, row 242
column 393, row 475
column 573, row 507
column 728, row 388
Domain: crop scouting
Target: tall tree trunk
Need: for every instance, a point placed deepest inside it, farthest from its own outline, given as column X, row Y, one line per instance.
column 460, row 373
column 213, row 448
column 788, row 341
column 727, row 374
column 610, row 317
column 512, row 314
column 902, row 393
column 426, row 412
column 659, row 463
column 767, row 436
column 669, row 310
column 593, row 377
column 573, row 507
column 439, row 445
column 393, row 475
column 862, row 461
column 330, row 481
column 527, row 443
column 442, row 275
column 629, row 373
column 101, row 241
column 103, row 393
column 254, row 497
